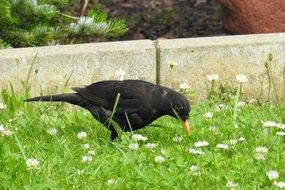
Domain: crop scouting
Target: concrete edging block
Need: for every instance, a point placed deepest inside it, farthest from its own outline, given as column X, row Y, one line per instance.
column 149, row 60
column 87, row 63
column 226, row 56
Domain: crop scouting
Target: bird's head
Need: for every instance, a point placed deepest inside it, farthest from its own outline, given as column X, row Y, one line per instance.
column 179, row 108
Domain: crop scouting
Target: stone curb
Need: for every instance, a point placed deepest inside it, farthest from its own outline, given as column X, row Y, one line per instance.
column 226, row 56
column 195, row 58
column 79, row 64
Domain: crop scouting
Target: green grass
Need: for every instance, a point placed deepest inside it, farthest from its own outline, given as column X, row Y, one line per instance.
column 59, row 156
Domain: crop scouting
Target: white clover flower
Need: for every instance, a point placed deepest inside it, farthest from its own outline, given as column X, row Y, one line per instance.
column 87, row 158
column 213, row 77
column 233, row 141
column 208, row 114
column 241, row 104
column 151, row 145
column 241, row 78
column 144, row 139
column 241, row 139
column 269, row 124
column 221, row 107
column 6, row 133
column 280, row 133
column 91, row 152
column 32, row 164
column 82, row 135
column 222, row 146
column 280, row 126
column 85, row 146
column 260, row 157
column 136, row 137
column 139, row 137
column 213, row 128
column 272, row 175
column 52, row 131
column 18, row 114
column 2, row 106
column 1, row 128
column 260, row 152
column 184, row 86
column 111, row 182
column 261, row 149
column 134, row 146
column 177, row 139
column 231, row 185
column 80, row 172
column 159, row 159
column 163, row 151
column 120, row 73
column 195, row 170
column 201, row 144
column 172, row 64
column 280, row 184
column 197, row 152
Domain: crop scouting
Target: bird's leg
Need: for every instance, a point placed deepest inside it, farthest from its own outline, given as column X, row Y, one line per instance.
column 114, row 134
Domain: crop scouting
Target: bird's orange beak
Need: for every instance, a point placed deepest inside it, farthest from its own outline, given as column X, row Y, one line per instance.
column 186, row 126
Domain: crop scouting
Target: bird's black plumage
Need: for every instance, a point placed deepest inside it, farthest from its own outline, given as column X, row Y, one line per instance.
column 140, row 103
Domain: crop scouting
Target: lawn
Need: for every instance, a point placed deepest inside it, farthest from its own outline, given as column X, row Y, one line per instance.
column 232, row 145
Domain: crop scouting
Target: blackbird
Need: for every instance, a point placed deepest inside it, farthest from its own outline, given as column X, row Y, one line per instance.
column 138, row 103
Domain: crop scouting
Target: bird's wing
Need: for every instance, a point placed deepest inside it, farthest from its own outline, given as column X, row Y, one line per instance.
column 105, row 93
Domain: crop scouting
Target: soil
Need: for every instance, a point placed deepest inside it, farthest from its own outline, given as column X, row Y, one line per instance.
column 152, row 19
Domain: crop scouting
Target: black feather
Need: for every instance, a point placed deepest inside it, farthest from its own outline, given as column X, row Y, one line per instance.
column 141, row 101
column 71, row 98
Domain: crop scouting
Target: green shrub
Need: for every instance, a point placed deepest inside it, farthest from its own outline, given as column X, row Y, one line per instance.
column 25, row 23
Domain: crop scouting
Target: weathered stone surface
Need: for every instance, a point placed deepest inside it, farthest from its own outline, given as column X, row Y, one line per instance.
column 196, row 58
column 253, row 16
column 84, row 63
column 226, row 56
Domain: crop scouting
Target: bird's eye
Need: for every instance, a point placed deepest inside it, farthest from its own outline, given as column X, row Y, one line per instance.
column 177, row 110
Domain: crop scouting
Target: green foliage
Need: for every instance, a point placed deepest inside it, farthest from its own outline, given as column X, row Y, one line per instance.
column 115, row 166
column 3, row 44
column 26, row 23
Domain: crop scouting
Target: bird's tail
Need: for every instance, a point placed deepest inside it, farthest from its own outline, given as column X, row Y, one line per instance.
column 72, row 98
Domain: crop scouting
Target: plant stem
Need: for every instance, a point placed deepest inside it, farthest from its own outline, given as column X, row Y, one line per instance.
column 83, row 11
column 261, row 90
column 269, row 82
column 270, row 78
column 212, row 87
column 274, row 86
column 236, row 103
column 114, row 109
column 283, row 83
column 68, row 16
